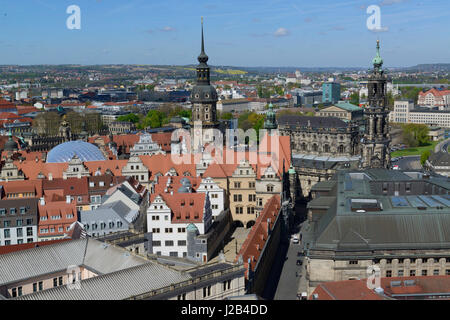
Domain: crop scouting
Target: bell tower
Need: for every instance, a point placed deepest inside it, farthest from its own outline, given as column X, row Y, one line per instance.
column 376, row 141
column 204, row 99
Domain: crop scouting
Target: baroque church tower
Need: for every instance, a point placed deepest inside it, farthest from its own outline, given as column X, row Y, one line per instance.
column 204, row 101
column 376, row 141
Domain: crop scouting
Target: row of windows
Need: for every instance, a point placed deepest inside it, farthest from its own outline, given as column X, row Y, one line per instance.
column 237, row 185
column 169, row 243
column 19, row 241
column 19, row 223
column 22, row 210
column 411, row 261
column 168, row 230
column 19, row 232
column 52, row 230
column 20, row 195
column 412, row 273
column 100, row 183
column 111, row 224
column 240, row 210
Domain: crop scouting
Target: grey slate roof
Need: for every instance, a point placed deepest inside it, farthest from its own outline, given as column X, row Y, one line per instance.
column 30, row 263
column 118, row 285
column 426, row 226
column 93, row 254
column 110, row 211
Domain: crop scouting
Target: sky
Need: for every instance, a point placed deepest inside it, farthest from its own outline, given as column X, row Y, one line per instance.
column 276, row 33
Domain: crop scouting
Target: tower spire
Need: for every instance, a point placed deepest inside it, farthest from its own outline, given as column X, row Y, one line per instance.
column 203, row 58
column 203, row 39
column 378, row 61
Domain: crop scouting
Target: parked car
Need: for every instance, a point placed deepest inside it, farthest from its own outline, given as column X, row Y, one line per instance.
column 299, row 262
column 295, row 239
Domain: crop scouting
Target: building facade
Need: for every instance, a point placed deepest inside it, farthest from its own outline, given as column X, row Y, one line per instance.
column 331, row 92
column 324, row 136
column 18, row 221
column 381, row 217
column 435, row 98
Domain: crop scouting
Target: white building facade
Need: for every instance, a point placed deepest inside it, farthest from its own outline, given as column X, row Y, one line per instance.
column 168, row 218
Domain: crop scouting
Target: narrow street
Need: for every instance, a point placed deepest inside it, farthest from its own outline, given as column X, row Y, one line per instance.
column 284, row 281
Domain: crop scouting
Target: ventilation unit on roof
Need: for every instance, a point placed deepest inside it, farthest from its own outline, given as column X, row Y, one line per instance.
column 379, row 290
column 409, row 283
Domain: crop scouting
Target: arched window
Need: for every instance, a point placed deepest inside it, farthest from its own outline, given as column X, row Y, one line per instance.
column 326, row 148
column 315, row 147
column 341, row 149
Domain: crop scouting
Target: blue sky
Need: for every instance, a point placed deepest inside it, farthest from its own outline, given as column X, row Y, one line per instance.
column 237, row 32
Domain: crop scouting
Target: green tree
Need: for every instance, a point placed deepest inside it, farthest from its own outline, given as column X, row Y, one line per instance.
column 415, row 135
column 424, row 157
column 131, row 117
column 354, row 98
column 226, row 116
column 154, row 119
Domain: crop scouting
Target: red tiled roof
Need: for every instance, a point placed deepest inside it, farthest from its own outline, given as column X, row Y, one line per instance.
column 256, row 239
column 358, row 290
column 186, row 207
column 175, row 183
column 26, row 246
column 26, row 109
column 8, row 116
column 70, row 186
column 435, row 92
column 58, row 209
column 23, row 186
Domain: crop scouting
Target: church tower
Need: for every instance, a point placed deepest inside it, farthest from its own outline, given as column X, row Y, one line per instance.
column 204, row 100
column 375, row 148
column 271, row 119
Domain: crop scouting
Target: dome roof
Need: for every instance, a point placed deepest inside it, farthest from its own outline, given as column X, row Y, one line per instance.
column 203, row 94
column 185, row 182
column 183, row 189
column 65, row 152
column 10, row 145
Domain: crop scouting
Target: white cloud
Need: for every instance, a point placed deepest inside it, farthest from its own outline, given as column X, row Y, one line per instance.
column 281, row 32
column 391, row 2
column 382, row 29
column 167, row 29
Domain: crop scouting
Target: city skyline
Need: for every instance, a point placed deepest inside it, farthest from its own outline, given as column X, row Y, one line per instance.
column 272, row 34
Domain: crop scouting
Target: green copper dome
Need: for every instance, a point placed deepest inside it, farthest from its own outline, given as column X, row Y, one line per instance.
column 377, row 61
column 291, row 170
column 271, row 120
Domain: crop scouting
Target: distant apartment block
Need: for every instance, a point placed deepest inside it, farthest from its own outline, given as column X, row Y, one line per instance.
column 331, row 92
column 435, row 98
column 405, row 112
